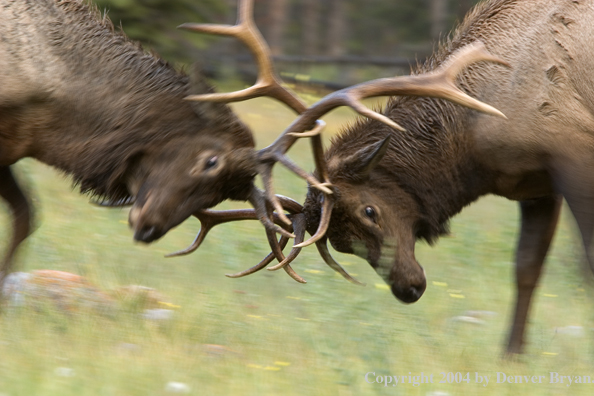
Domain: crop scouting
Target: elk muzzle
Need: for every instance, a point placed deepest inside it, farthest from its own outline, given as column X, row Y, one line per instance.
column 405, row 275
column 409, row 289
column 142, row 220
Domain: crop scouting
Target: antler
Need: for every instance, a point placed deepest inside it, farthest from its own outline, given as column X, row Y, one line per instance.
column 211, row 218
column 269, row 84
column 439, row 83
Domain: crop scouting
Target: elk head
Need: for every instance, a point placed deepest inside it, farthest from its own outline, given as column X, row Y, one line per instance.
column 372, row 219
column 172, row 180
column 213, row 173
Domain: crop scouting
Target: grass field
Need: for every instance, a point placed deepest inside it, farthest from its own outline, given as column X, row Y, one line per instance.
column 268, row 335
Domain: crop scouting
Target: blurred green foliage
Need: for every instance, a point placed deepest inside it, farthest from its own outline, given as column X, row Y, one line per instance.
column 386, row 28
column 372, row 27
column 379, row 25
column 154, row 22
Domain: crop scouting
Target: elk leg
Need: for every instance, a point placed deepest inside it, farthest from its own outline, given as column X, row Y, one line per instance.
column 539, row 219
column 21, row 217
column 575, row 181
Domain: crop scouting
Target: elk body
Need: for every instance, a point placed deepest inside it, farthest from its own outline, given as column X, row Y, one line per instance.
column 78, row 96
column 393, row 188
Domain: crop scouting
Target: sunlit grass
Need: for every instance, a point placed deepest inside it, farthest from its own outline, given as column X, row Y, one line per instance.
column 267, row 335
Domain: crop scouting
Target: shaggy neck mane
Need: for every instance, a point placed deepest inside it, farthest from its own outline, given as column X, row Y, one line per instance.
column 432, row 159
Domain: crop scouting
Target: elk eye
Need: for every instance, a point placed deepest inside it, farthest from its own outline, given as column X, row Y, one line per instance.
column 370, row 212
column 211, row 163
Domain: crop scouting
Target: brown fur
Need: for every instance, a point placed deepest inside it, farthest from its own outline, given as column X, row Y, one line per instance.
column 79, row 96
column 450, row 156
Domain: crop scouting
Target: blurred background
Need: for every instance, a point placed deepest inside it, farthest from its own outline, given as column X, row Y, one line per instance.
column 179, row 326
column 333, row 43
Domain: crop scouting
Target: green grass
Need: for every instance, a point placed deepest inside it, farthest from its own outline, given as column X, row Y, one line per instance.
column 281, row 337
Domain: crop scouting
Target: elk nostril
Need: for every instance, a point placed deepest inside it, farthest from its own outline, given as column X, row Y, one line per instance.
column 415, row 293
column 147, row 234
column 409, row 294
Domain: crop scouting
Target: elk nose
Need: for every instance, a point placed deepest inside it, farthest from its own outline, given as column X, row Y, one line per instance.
column 410, row 293
column 147, row 234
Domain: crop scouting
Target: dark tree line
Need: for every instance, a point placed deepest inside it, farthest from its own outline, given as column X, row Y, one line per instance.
column 373, row 28
column 154, row 22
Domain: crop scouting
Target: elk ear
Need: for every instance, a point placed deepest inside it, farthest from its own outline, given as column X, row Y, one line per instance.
column 363, row 161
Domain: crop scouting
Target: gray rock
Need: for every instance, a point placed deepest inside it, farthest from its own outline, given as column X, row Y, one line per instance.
column 468, row 319
column 14, row 285
column 177, row 387
column 574, row 331
column 158, row 314
column 64, row 372
column 480, row 314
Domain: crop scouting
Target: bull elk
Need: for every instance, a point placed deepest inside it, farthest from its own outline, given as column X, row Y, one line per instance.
column 81, row 97
column 401, row 176
column 393, row 188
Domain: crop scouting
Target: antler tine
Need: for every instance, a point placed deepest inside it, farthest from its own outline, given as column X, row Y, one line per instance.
column 268, row 82
column 328, row 259
column 299, row 227
column 318, row 157
column 318, row 153
column 277, row 252
column 211, row 218
column 328, row 204
column 195, row 245
column 266, row 174
column 293, row 274
column 262, row 264
column 258, row 201
column 290, row 204
column 299, row 230
column 317, row 130
column 449, row 70
column 290, row 165
column 295, row 208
